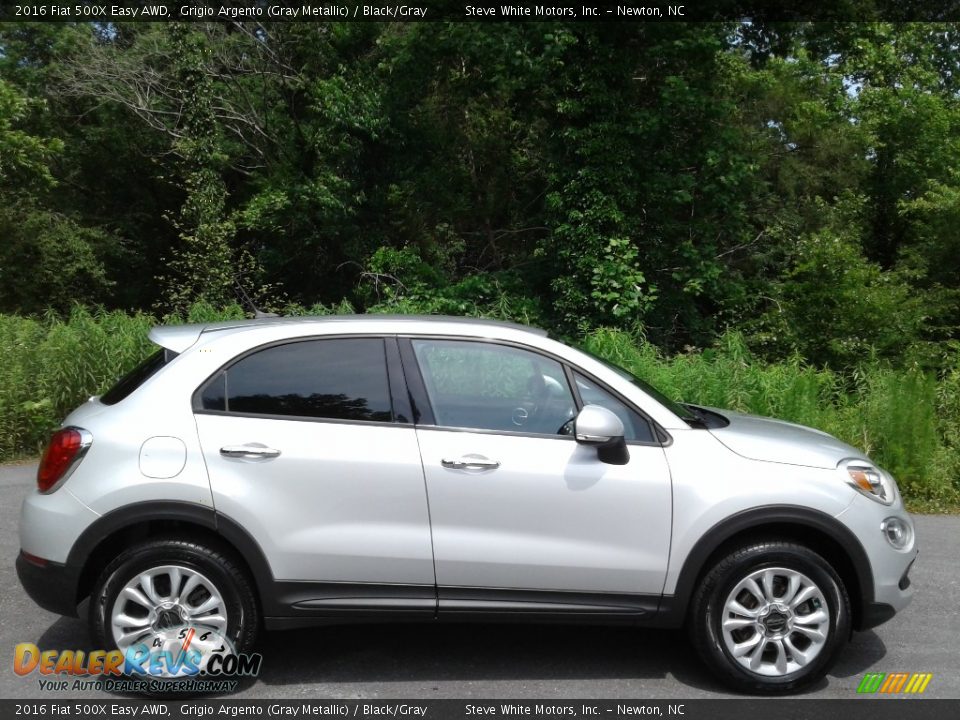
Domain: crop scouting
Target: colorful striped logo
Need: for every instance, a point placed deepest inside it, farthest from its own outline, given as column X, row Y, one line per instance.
column 891, row 683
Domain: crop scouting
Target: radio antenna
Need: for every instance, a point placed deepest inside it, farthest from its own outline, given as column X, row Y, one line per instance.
column 258, row 314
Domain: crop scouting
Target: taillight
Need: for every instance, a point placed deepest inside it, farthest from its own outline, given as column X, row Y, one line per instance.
column 67, row 446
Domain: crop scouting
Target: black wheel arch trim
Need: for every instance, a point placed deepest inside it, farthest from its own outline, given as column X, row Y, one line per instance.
column 130, row 516
column 673, row 609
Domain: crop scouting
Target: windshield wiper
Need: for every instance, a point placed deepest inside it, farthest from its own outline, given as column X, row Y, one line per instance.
column 699, row 419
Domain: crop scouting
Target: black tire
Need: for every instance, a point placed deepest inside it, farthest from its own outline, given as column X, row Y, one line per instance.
column 217, row 564
column 707, row 614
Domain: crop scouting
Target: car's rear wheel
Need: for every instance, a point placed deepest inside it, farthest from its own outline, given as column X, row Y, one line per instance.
column 770, row 617
column 169, row 605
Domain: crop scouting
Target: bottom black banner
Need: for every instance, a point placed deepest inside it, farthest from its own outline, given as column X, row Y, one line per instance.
column 782, row 709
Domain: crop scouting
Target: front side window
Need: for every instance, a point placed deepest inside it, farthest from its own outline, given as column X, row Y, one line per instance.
column 676, row 408
column 336, row 379
column 486, row 386
column 635, row 426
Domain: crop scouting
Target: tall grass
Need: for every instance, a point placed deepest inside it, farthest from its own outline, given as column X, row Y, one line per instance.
column 50, row 365
column 907, row 420
column 904, row 419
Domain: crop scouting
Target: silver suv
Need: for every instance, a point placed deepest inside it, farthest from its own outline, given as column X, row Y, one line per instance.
column 300, row 471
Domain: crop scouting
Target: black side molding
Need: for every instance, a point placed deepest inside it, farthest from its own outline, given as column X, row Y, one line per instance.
column 471, row 604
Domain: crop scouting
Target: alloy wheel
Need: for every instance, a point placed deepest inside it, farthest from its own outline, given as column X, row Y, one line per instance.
column 775, row 621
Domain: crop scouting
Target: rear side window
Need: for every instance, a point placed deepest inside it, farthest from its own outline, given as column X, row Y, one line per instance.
column 137, row 377
column 337, row 379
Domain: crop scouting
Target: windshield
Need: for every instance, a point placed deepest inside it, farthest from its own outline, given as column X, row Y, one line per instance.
column 676, row 408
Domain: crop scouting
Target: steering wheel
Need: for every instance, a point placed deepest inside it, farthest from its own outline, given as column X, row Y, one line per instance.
column 526, row 412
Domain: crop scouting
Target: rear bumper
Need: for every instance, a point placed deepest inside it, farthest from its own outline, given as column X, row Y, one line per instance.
column 52, row 586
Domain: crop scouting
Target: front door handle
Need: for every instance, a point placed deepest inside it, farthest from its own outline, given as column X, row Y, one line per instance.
column 471, row 462
column 249, row 451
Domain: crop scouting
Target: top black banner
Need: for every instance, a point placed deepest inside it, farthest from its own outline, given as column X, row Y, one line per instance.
column 457, row 11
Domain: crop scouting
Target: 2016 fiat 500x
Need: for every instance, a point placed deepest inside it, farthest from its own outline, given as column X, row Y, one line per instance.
column 288, row 472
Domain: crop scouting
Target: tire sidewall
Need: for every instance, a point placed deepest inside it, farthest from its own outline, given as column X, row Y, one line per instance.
column 801, row 560
column 136, row 560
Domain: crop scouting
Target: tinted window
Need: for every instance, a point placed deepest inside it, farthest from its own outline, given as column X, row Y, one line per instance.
column 494, row 387
column 635, row 426
column 215, row 394
column 136, row 377
column 335, row 379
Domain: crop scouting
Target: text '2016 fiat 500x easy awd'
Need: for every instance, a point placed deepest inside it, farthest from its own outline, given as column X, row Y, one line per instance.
column 297, row 471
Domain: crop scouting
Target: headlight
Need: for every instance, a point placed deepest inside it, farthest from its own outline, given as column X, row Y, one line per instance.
column 873, row 482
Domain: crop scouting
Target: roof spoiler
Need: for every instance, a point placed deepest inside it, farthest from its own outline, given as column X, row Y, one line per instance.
column 175, row 338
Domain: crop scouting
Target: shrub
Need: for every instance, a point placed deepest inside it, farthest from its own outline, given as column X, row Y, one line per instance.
column 905, row 419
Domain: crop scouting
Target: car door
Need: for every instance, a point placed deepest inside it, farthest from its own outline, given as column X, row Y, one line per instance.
column 310, row 450
column 519, row 510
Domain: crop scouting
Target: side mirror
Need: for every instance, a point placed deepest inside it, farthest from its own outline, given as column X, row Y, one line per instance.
column 596, row 425
column 600, row 428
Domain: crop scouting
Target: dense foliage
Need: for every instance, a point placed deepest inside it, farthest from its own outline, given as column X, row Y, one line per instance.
column 794, row 186
column 799, row 183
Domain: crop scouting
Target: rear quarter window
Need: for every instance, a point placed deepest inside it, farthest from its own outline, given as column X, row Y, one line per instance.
column 126, row 385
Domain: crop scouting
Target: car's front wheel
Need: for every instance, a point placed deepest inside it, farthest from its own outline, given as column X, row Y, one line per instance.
column 770, row 617
column 171, row 604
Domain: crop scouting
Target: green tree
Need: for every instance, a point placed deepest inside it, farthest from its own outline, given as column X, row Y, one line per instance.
column 46, row 259
column 204, row 267
column 24, row 158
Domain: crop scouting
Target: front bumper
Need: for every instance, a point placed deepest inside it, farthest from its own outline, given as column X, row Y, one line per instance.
column 877, row 613
column 889, row 567
column 50, row 585
column 874, row 614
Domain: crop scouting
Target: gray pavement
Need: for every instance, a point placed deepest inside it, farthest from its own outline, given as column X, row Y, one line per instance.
column 512, row 661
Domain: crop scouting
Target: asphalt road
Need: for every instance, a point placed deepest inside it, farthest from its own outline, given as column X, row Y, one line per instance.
column 512, row 661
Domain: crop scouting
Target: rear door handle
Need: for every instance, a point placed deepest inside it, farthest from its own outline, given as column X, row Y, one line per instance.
column 249, row 451
column 471, row 462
